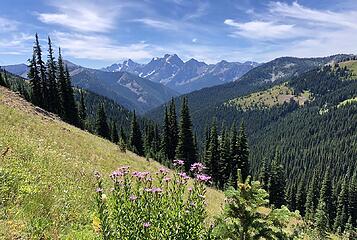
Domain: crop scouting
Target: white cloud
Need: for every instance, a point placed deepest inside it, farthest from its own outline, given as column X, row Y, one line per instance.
column 194, row 40
column 328, row 18
column 262, row 30
column 310, row 32
column 16, row 44
column 7, row 25
column 99, row 47
column 159, row 24
column 83, row 16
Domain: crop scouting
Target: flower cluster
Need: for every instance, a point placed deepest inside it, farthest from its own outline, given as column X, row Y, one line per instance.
column 178, row 162
column 145, row 206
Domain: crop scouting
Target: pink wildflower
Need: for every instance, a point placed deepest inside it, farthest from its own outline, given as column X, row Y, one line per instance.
column 133, row 198
column 183, row 175
column 203, row 177
column 146, row 224
column 167, row 179
column 178, row 162
column 156, row 190
column 197, row 167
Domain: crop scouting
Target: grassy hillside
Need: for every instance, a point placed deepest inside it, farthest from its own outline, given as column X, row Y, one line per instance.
column 351, row 65
column 276, row 95
column 46, row 173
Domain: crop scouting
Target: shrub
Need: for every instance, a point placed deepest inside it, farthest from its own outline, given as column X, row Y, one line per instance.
column 142, row 205
column 247, row 216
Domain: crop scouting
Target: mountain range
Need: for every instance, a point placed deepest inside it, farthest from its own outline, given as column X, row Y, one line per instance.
column 125, row 88
column 184, row 77
column 205, row 101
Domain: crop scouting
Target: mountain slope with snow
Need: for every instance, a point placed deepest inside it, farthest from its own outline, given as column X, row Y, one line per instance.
column 185, row 77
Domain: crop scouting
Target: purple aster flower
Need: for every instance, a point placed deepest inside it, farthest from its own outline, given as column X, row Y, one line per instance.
column 99, row 190
column 203, row 177
column 146, row 224
column 184, row 176
column 167, row 179
column 178, row 162
column 156, row 190
column 133, row 198
column 163, row 170
column 197, row 167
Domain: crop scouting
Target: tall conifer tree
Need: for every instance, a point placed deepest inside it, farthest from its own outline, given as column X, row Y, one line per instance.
column 165, row 136
column 224, row 163
column 70, row 104
column 2, row 81
column 311, row 199
column 342, row 209
column 234, row 156
column 243, row 150
column 277, row 182
column 136, row 141
column 213, row 155
column 53, row 95
column 326, row 197
column 173, row 131
column 41, row 68
column 62, row 84
column 352, row 199
column 185, row 147
column 35, row 81
column 114, row 133
column 101, row 124
column 82, row 110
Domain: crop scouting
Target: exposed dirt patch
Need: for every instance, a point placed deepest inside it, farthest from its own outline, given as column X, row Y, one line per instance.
column 14, row 100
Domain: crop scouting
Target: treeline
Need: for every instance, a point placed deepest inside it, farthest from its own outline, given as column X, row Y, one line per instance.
column 51, row 84
column 224, row 153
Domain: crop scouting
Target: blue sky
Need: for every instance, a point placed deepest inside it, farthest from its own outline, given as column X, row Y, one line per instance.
column 96, row 33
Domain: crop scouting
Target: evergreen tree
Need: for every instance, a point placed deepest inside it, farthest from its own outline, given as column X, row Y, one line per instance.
column 62, row 85
column 322, row 220
column 122, row 135
column 352, row 203
column 136, row 141
column 234, row 156
column 291, row 197
column 114, row 133
column 53, row 95
column 277, row 182
column 342, row 209
column 2, row 81
column 69, row 103
column 224, row 161
column 40, row 64
column 243, row 150
column 185, row 147
column 264, row 174
column 165, row 136
column 311, row 199
column 35, row 81
column 301, row 197
column 173, row 131
column 326, row 197
column 82, row 110
column 101, row 124
column 213, row 155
